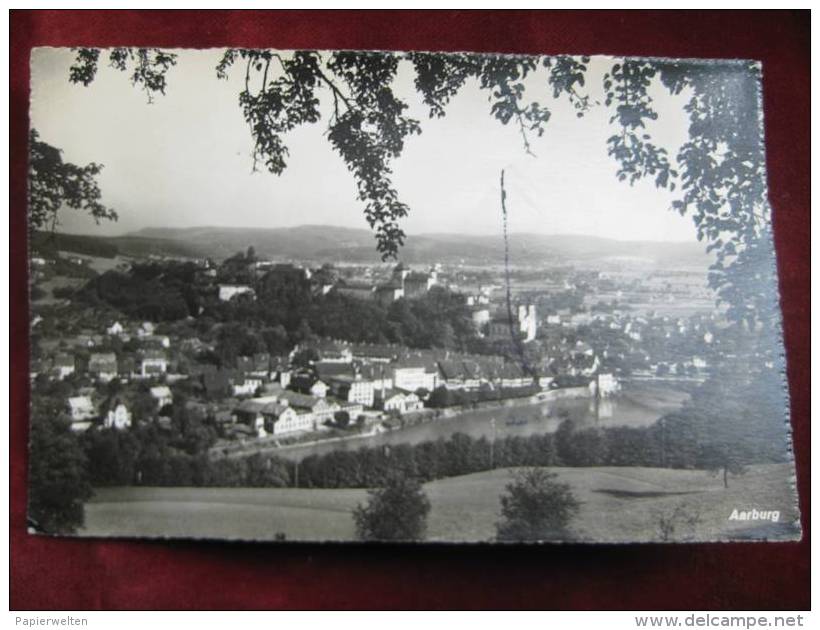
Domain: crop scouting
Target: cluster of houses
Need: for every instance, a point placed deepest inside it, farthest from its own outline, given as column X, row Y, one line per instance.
column 88, row 408
column 649, row 345
column 357, row 379
column 267, row 394
column 149, row 360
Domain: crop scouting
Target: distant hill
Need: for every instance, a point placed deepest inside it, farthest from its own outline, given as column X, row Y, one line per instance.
column 331, row 243
column 46, row 243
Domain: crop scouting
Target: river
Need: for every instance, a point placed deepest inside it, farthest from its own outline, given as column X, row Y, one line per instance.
column 639, row 404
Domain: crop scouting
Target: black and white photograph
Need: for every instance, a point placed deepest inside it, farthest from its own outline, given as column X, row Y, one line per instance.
column 340, row 295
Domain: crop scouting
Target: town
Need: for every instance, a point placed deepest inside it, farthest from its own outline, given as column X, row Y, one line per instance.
column 275, row 352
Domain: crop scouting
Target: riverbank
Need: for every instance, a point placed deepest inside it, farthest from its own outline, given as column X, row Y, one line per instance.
column 636, row 406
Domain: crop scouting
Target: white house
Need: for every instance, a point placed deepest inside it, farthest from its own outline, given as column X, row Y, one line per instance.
column 247, row 385
column 162, row 394
column 400, row 401
column 103, row 365
column 229, row 291
column 82, row 412
column 353, row 389
column 319, row 389
column 146, row 329
column 322, row 409
column 153, row 363
column 607, row 384
column 115, row 329
column 118, row 417
column 271, row 416
column 527, row 322
column 293, row 421
column 414, row 375
column 63, row 365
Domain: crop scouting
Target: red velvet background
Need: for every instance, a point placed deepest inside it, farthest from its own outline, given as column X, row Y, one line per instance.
column 80, row 574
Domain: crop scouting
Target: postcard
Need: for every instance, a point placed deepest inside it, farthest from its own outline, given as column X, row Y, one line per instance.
column 335, row 295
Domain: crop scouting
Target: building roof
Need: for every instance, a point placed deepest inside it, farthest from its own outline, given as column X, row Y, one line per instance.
column 102, row 361
column 161, row 391
column 394, row 392
column 264, row 406
column 471, row 369
column 153, row 354
column 304, row 401
column 411, row 363
column 82, row 403
column 332, row 369
column 382, row 351
column 417, row 276
column 355, row 285
column 64, row 360
column 451, row 369
column 374, row 372
column 388, row 286
column 303, row 380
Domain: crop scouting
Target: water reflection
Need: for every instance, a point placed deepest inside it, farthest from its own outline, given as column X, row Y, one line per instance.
column 630, row 408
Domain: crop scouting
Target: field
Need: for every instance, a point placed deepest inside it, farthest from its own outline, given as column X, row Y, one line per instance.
column 98, row 263
column 617, row 505
column 55, row 282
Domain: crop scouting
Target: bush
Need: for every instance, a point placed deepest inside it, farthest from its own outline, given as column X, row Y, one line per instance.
column 342, row 419
column 535, row 508
column 396, row 512
column 63, row 292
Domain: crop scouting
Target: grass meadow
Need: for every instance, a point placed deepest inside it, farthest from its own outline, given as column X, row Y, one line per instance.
column 617, row 505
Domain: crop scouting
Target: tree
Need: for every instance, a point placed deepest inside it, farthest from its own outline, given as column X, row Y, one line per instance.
column 58, row 476
column 276, row 339
column 112, row 456
column 395, row 512
column 535, row 507
column 722, row 458
column 54, row 183
column 342, row 419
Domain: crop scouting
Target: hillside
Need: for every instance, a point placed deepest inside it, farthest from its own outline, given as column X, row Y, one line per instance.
column 331, row 243
column 357, row 245
column 47, row 244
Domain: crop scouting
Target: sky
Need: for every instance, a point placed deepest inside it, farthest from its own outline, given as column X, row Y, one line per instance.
column 185, row 159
